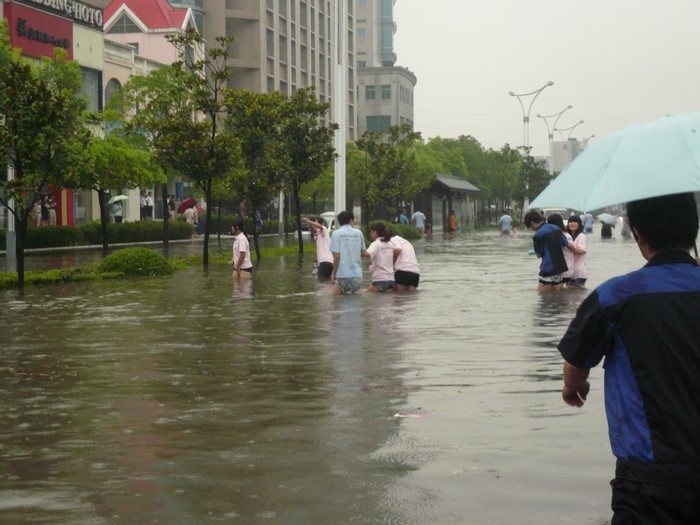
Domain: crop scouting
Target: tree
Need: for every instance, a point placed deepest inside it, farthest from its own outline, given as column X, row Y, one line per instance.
column 308, row 145
column 200, row 150
column 147, row 103
column 41, row 128
column 110, row 161
column 391, row 174
column 255, row 119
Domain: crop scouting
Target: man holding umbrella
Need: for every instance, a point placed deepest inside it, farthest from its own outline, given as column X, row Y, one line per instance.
column 645, row 325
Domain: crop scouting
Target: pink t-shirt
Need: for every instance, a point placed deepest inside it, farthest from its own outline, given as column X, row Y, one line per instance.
column 382, row 255
column 323, row 246
column 406, row 261
column 241, row 245
column 580, row 271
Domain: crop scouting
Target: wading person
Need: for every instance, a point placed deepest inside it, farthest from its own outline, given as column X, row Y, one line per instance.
column 645, row 325
column 382, row 253
column 242, row 267
column 548, row 242
column 322, row 237
column 347, row 245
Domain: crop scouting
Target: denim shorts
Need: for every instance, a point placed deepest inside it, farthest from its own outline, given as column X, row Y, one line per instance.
column 384, row 286
column 349, row 284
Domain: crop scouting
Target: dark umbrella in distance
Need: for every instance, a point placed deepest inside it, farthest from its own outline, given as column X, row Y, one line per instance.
column 189, row 201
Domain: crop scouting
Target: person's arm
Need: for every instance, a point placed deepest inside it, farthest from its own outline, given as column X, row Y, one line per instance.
column 336, row 262
column 576, row 385
column 315, row 224
column 237, row 267
column 397, row 252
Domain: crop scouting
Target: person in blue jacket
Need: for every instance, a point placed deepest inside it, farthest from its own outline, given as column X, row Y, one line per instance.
column 548, row 242
column 645, row 325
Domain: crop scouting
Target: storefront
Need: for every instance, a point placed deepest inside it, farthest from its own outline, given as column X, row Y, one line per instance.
column 37, row 27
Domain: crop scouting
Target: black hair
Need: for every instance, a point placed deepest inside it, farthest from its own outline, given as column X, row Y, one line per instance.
column 532, row 217
column 579, row 230
column 382, row 231
column 344, row 217
column 665, row 222
column 241, row 227
column 557, row 220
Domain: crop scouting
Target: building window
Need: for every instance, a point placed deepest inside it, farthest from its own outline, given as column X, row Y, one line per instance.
column 124, row 25
column 386, row 91
column 361, row 32
column 379, row 123
column 360, row 3
column 370, row 93
column 361, row 64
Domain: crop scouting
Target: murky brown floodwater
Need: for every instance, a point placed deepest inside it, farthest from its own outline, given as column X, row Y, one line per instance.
column 193, row 399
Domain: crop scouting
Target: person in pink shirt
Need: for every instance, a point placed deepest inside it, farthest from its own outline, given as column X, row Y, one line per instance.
column 579, row 274
column 382, row 253
column 324, row 257
column 407, row 270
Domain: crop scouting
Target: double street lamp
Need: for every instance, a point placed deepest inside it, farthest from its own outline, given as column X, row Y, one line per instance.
column 550, row 131
column 526, row 114
column 570, row 129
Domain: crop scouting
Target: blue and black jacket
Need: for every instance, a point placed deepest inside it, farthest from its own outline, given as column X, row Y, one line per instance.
column 549, row 241
column 646, row 325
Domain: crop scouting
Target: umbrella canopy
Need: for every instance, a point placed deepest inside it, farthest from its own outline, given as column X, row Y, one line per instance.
column 655, row 158
column 117, row 198
column 606, row 218
column 186, row 203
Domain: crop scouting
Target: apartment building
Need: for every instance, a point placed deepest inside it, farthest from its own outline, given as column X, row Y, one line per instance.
column 385, row 90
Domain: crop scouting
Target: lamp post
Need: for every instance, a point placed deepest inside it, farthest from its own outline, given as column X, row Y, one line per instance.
column 584, row 142
column 570, row 129
column 550, row 132
column 526, row 114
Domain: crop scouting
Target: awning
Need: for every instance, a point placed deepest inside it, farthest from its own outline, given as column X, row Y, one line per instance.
column 447, row 184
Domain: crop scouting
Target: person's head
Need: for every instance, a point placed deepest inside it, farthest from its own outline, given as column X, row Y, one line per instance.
column 533, row 220
column 665, row 222
column 345, row 217
column 557, row 220
column 379, row 231
column 239, row 227
column 574, row 226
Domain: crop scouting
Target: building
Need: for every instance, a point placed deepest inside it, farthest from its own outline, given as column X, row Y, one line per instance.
column 564, row 152
column 37, row 27
column 385, row 90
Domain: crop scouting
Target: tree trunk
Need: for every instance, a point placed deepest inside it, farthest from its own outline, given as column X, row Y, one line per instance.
column 166, row 217
column 205, row 251
column 104, row 217
column 297, row 204
column 21, row 232
column 218, row 222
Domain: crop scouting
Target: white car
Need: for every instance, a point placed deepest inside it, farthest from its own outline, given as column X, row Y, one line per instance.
column 331, row 219
column 564, row 212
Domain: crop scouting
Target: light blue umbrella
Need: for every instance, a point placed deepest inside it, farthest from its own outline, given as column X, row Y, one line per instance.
column 655, row 158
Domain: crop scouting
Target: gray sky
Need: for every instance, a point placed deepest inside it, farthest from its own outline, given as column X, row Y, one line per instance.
column 617, row 62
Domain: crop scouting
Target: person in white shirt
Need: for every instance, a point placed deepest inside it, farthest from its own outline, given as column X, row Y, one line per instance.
column 382, row 254
column 322, row 237
column 418, row 220
column 407, row 270
column 242, row 267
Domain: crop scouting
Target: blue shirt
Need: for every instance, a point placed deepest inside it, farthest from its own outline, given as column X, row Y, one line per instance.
column 418, row 220
column 349, row 243
column 506, row 223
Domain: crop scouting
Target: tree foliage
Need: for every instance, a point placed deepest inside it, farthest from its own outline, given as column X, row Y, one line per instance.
column 41, row 130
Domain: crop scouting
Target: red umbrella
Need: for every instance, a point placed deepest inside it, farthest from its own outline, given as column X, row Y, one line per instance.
column 189, row 201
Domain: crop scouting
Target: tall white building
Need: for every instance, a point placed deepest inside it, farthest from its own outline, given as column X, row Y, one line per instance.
column 385, row 90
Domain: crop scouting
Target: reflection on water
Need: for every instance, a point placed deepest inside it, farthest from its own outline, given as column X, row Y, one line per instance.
column 198, row 399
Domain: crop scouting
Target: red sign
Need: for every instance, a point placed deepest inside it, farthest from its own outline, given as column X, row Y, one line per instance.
column 37, row 33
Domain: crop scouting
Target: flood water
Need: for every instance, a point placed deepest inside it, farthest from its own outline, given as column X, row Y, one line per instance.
column 195, row 399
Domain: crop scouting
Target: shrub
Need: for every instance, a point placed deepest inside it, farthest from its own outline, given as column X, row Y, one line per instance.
column 406, row 231
column 53, row 236
column 136, row 261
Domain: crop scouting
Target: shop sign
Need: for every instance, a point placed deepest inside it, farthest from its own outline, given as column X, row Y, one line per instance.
column 79, row 12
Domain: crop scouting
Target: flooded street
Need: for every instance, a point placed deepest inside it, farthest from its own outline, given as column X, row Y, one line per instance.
column 195, row 399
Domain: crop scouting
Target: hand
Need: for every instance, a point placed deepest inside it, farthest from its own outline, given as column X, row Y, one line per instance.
column 575, row 395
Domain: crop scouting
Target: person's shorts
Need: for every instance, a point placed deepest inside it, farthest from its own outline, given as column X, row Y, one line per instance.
column 384, row 286
column 324, row 270
column 552, row 280
column 249, row 270
column 405, row 278
column 577, row 283
column 349, row 284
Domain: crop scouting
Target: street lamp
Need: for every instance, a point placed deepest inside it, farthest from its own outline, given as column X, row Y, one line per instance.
column 526, row 114
column 584, row 142
column 570, row 129
column 550, row 132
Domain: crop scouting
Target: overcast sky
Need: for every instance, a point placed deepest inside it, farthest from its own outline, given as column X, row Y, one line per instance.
column 617, row 62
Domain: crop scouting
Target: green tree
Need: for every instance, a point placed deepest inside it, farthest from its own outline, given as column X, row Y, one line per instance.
column 201, row 149
column 391, row 174
column 308, row 145
column 110, row 161
column 147, row 103
column 255, row 119
column 40, row 127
